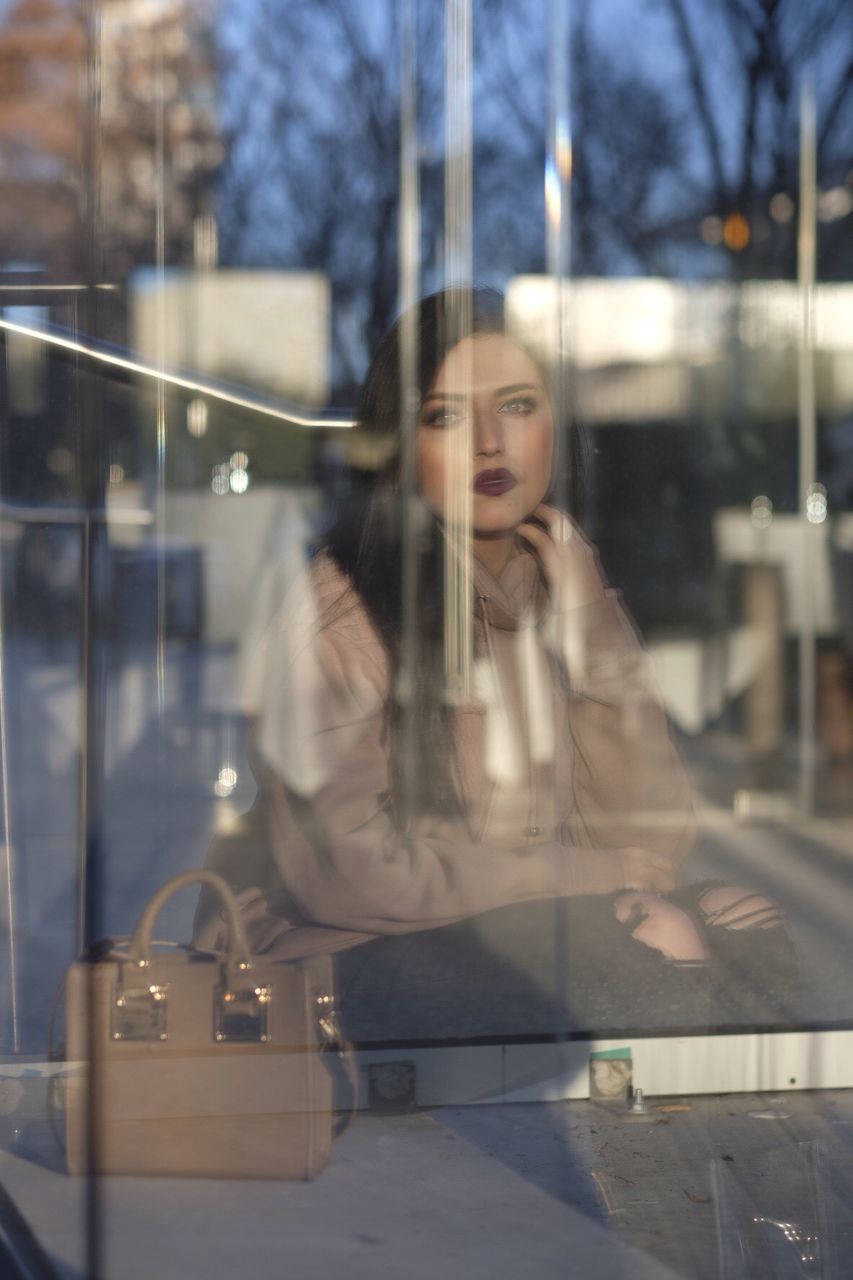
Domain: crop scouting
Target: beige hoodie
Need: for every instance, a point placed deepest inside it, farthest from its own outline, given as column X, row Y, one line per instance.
column 564, row 758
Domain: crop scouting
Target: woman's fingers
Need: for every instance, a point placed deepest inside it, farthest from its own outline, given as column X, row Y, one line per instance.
column 645, row 870
column 558, row 523
column 534, row 533
column 544, row 546
column 560, row 526
column 569, row 561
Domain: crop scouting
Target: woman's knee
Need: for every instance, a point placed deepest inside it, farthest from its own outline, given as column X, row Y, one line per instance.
column 729, row 907
column 662, row 926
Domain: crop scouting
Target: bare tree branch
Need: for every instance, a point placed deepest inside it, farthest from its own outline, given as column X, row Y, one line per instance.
column 831, row 111
column 701, row 96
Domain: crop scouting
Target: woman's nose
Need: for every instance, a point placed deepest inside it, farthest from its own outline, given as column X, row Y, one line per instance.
column 488, row 433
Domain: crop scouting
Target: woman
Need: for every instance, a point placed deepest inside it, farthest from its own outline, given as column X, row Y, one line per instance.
column 529, row 837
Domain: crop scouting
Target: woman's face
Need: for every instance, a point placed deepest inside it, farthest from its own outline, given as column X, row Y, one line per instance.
column 486, row 427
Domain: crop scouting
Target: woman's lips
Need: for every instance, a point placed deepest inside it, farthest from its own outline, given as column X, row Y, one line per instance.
column 493, row 483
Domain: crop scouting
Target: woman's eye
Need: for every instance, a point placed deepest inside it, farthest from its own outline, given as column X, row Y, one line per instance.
column 442, row 416
column 518, row 405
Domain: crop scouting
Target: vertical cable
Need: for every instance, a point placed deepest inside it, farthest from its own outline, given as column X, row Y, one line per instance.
column 160, row 326
column 408, row 251
column 458, row 249
column 806, row 254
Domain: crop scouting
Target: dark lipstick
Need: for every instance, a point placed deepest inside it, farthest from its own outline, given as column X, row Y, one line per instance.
column 492, row 484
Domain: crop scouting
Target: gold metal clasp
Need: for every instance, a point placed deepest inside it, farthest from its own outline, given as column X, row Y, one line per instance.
column 240, row 1014
column 139, row 1013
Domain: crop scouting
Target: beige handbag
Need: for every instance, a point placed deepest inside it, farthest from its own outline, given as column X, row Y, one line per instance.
column 197, row 1063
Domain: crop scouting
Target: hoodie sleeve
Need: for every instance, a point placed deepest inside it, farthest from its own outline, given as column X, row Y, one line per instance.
column 323, row 747
column 629, row 785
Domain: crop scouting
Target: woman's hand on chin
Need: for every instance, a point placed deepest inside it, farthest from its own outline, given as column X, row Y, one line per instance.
column 647, row 872
column 569, row 561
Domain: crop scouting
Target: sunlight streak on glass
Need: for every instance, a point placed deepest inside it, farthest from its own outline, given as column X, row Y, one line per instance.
column 558, row 174
column 807, row 424
column 160, row 303
column 459, row 268
column 8, row 913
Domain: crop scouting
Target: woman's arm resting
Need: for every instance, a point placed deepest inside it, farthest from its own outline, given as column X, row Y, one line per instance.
column 337, row 847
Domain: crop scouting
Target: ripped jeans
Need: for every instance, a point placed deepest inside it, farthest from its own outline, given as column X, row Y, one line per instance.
column 705, row 957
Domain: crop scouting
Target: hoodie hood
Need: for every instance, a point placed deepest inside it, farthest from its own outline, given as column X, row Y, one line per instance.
column 519, row 595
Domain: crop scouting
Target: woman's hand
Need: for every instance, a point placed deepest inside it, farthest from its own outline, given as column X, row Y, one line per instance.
column 646, row 871
column 569, row 561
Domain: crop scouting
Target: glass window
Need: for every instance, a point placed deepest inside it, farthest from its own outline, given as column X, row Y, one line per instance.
column 426, row 521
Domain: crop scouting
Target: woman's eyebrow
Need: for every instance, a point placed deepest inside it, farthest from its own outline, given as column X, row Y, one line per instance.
column 508, row 390
column 517, row 386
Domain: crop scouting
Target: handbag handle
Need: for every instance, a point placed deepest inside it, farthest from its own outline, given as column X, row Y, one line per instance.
column 238, row 954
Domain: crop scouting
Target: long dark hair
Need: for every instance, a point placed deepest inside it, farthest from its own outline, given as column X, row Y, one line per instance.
column 367, row 542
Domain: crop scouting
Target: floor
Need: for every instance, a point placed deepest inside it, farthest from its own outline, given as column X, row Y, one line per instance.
column 719, row 1188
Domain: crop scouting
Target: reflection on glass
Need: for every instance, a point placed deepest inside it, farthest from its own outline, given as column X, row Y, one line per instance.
column 772, row 1214
column 503, row 812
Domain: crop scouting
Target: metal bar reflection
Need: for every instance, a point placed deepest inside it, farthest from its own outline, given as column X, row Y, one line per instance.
column 92, row 673
column 184, row 383
column 807, row 434
column 73, row 515
column 49, row 288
